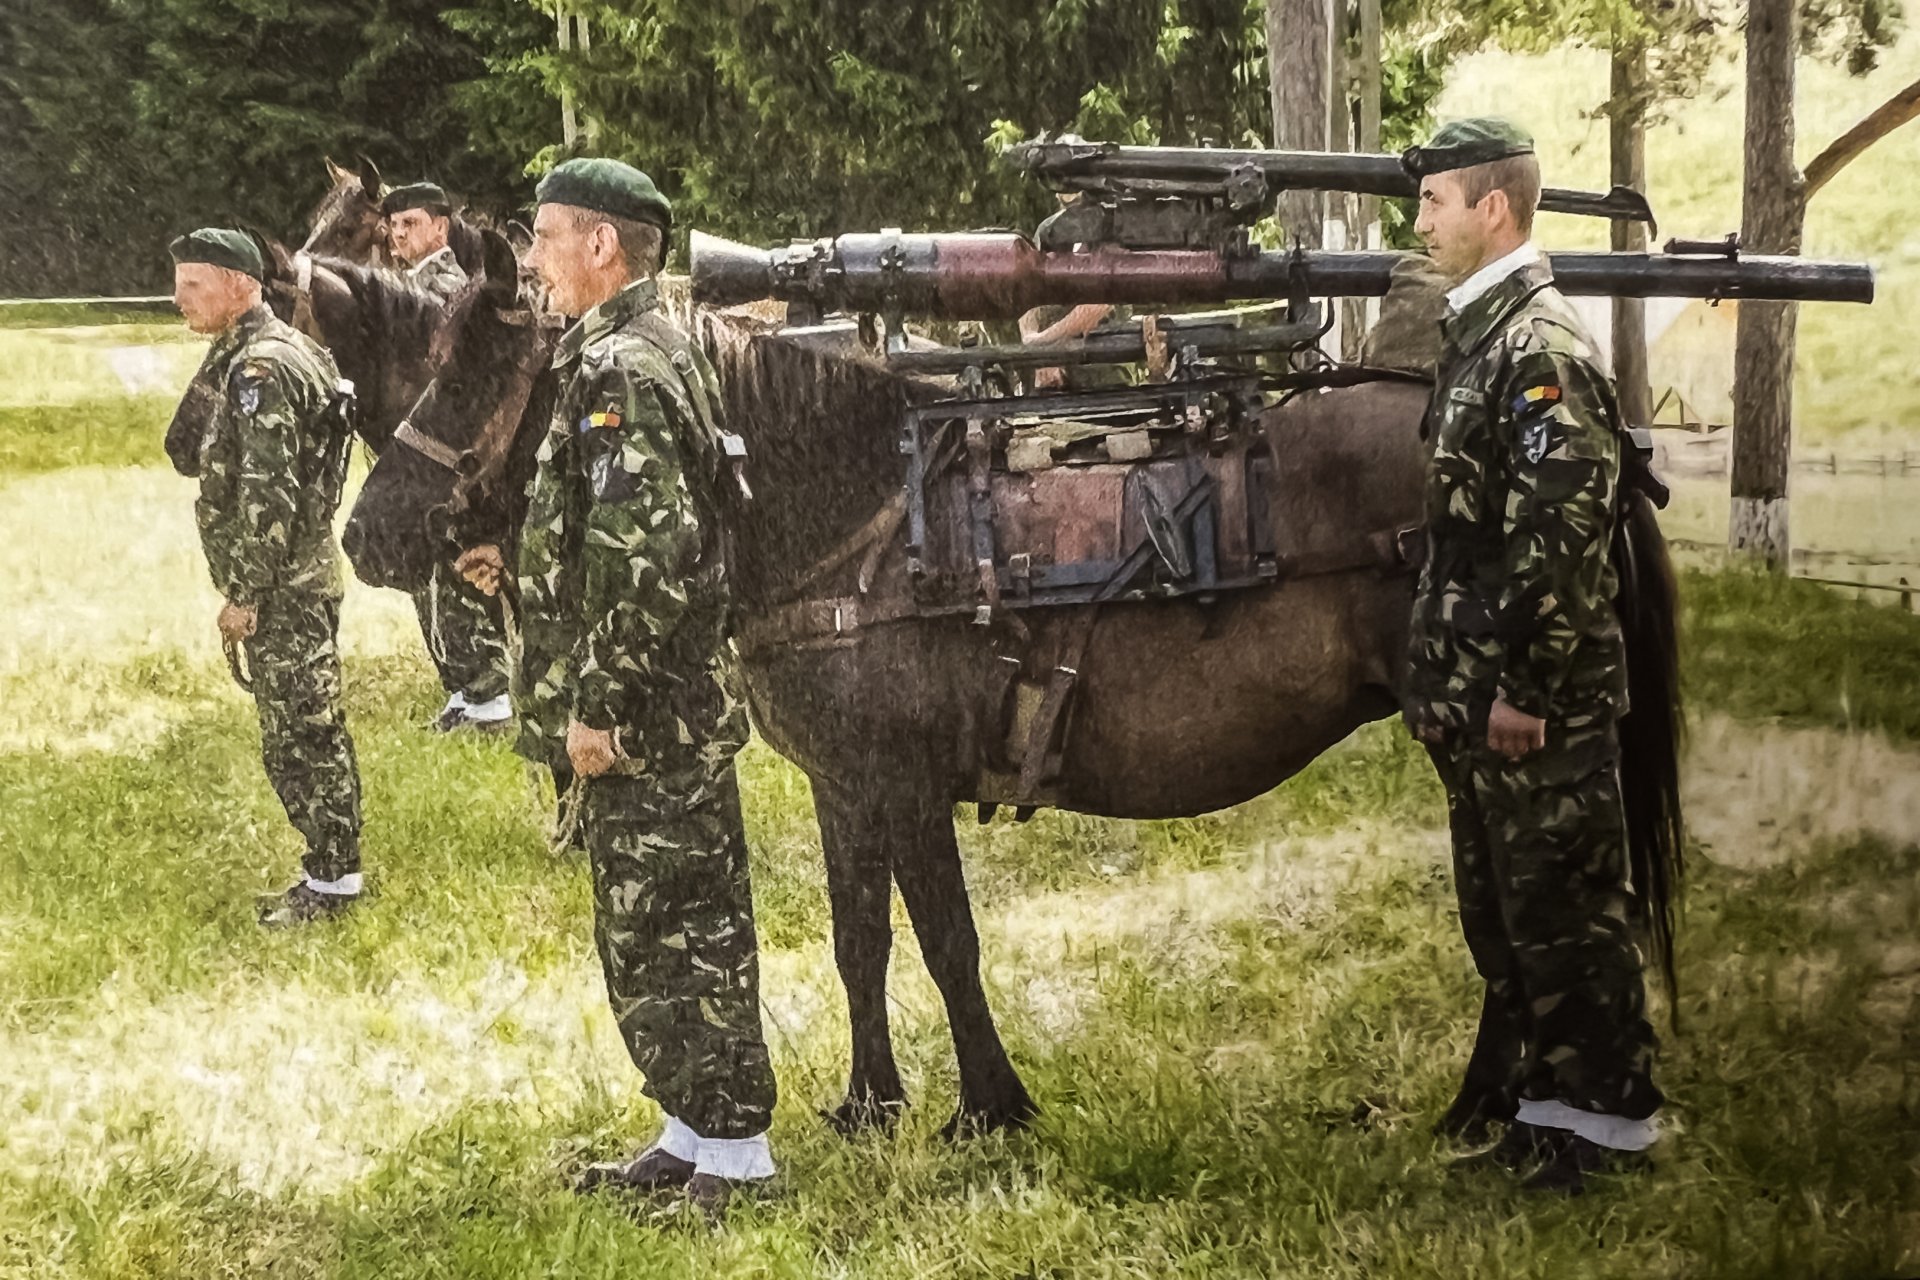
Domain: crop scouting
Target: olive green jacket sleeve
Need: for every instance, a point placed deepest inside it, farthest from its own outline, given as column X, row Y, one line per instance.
column 643, row 540
column 249, row 549
column 1556, row 426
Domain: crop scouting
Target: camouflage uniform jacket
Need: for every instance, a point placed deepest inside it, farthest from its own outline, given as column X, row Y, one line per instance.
column 622, row 572
column 1516, row 597
column 439, row 273
column 271, row 464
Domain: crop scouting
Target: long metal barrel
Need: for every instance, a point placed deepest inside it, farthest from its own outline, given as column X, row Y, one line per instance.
column 996, row 275
column 1248, row 175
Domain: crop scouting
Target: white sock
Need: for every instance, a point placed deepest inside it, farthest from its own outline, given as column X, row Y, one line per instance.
column 736, row 1159
column 1617, row 1132
column 346, row 886
column 492, row 711
column 458, row 702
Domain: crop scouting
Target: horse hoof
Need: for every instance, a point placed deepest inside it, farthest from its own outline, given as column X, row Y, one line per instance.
column 978, row 1122
column 865, row 1115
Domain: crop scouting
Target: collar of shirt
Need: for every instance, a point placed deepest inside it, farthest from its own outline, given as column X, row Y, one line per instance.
column 635, row 298
column 444, row 251
column 237, row 334
column 1475, row 286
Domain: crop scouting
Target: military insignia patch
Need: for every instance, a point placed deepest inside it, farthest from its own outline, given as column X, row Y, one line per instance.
column 249, row 398
column 1537, row 440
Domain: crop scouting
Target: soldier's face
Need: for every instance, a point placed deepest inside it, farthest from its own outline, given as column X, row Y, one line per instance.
column 1457, row 234
column 577, row 258
column 416, row 234
column 211, row 298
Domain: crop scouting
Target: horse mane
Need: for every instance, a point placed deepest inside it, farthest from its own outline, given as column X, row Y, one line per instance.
column 393, row 304
column 821, row 417
column 469, row 249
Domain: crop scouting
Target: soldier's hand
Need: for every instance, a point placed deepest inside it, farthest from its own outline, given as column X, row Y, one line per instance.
column 1512, row 732
column 1424, row 729
column 1050, row 378
column 236, row 622
column 483, row 566
column 590, row 750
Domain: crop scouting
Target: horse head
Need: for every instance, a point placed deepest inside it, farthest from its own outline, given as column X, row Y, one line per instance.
column 348, row 223
column 458, row 477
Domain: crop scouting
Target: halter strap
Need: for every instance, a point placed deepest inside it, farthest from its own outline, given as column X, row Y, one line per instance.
column 426, row 446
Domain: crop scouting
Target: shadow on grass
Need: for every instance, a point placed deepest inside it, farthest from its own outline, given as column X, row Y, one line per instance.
column 1765, row 647
column 112, row 431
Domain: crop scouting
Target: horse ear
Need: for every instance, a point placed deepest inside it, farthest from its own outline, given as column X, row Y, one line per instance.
column 519, row 235
column 279, row 261
column 335, row 174
column 370, row 179
column 502, row 270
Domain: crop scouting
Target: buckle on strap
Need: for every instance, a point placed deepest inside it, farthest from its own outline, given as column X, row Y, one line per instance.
column 426, row 446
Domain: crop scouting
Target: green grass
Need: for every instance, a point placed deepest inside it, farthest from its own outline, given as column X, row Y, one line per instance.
column 1199, row 1005
column 1762, row 647
column 44, row 315
column 109, row 432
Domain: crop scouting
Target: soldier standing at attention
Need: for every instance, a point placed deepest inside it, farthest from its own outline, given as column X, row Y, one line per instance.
column 624, row 607
column 464, row 630
column 271, row 465
column 1518, row 680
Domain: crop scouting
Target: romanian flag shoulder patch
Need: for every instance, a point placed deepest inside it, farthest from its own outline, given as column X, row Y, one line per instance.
column 607, row 417
column 1536, row 400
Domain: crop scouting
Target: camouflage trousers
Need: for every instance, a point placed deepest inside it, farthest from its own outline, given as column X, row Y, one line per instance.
column 294, row 661
column 673, row 919
column 1540, row 867
column 465, row 635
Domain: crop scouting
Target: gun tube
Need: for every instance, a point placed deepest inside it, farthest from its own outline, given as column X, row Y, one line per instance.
column 1172, row 170
column 997, row 276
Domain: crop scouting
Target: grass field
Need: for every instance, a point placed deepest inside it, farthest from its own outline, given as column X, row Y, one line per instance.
column 1201, row 1007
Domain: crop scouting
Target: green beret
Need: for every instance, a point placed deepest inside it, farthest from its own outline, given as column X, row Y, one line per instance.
column 417, row 195
column 221, row 247
column 606, row 186
column 1466, row 143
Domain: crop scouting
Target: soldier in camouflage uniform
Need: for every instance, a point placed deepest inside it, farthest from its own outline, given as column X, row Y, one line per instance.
column 464, row 630
column 271, row 463
column 1518, row 678
column 624, row 617
column 419, row 220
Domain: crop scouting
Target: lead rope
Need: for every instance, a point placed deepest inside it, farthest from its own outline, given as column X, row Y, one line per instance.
column 236, row 663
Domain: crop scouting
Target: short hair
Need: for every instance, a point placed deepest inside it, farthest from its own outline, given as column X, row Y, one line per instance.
column 641, row 243
column 1518, row 176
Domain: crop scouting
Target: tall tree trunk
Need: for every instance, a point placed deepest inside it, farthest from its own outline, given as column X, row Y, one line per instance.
column 1367, row 91
column 1626, row 115
column 1772, row 210
column 1299, row 41
column 1341, row 206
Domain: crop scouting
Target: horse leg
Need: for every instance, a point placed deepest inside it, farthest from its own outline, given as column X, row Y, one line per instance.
column 860, row 890
column 928, row 870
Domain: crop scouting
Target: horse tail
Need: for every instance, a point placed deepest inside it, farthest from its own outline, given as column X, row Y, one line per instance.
column 1652, row 732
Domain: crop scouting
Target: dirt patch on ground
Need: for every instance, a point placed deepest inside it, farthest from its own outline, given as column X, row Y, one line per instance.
column 1757, row 794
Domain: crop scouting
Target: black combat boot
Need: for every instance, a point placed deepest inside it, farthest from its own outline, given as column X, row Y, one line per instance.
column 303, row 904
column 651, row 1171
column 1522, row 1149
column 1576, row 1159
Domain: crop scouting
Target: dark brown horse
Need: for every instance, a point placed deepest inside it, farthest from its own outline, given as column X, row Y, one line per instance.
column 1182, row 707
column 348, row 224
column 378, row 327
